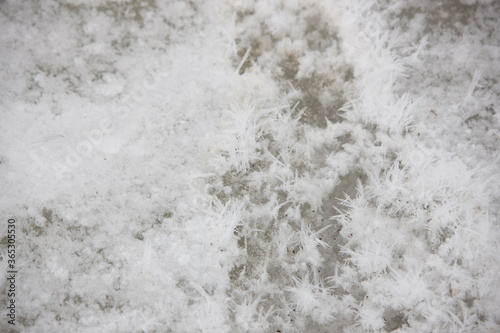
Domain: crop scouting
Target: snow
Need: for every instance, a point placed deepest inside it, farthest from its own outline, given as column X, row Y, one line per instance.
column 251, row 166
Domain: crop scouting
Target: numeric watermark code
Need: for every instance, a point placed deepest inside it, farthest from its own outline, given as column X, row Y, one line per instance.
column 11, row 271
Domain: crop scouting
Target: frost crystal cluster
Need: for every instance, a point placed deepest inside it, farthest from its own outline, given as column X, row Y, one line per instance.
column 251, row 166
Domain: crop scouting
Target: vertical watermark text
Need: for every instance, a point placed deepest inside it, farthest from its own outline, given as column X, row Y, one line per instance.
column 11, row 271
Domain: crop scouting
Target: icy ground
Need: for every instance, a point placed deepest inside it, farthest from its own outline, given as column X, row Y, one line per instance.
column 251, row 166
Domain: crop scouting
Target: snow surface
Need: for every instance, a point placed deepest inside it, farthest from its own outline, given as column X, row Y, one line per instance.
column 251, row 166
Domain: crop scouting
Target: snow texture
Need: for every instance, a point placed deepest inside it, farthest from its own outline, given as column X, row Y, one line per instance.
column 251, row 166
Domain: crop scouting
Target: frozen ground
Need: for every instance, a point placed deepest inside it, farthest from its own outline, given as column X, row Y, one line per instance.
column 251, row 166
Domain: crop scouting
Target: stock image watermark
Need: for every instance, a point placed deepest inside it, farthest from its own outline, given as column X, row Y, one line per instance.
column 11, row 272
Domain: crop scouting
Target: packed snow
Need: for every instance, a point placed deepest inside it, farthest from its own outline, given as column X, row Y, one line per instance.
column 250, row 166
